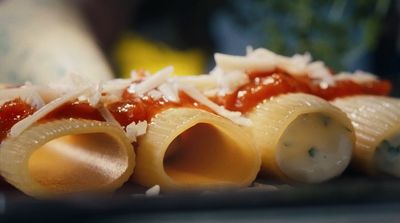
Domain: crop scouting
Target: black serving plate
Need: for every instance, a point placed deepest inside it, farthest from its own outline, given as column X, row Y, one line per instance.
column 346, row 199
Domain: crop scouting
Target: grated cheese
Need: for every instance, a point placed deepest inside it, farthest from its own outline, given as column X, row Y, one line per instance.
column 153, row 191
column 20, row 126
column 28, row 94
column 93, row 96
column 113, row 89
column 198, row 96
column 229, row 81
column 319, row 71
column 155, row 94
column 106, row 114
column 242, row 63
column 359, row 76
column 134, row 130
column 202, row 82
column 170, row 92
column 151, row 82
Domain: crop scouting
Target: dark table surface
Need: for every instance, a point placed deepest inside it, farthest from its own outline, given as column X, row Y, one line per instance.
column 346, row 199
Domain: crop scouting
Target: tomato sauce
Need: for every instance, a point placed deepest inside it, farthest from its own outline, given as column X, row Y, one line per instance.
column 11, row 113
column 344, row 88
column 133, row 108
column 264, row 85
column 75, row 109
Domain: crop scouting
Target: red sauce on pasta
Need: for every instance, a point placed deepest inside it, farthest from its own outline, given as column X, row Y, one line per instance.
column 75, row 109
column 345, row 88
column 134, row 109
column 11, row 113
column 264, row 85
column 131, row 108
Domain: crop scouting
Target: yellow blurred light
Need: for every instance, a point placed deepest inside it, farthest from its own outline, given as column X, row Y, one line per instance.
column 136, row 53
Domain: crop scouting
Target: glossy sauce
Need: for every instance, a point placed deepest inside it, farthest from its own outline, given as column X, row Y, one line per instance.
column 11, row 113
column 75, row 109
column 264, row 85
column 131, row 108
column 134, row 109
column 345, row 88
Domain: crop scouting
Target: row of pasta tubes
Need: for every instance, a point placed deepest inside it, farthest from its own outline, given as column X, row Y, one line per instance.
column 291, row 135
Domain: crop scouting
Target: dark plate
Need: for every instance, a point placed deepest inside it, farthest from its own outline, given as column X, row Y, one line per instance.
column 349, row 199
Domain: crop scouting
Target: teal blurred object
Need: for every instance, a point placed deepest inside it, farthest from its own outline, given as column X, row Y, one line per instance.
column 341, row 33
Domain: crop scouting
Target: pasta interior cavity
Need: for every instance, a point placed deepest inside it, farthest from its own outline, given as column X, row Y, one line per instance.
column 193, row 149
column 78, row 162
column 202, row 154
column 67, row 156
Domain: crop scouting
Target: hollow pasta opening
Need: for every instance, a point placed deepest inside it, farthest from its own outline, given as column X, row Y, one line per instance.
column 314, row 147
column 205, row 155
column 81, row 162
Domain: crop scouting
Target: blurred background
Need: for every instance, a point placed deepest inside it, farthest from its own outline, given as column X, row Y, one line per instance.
column 346, row 35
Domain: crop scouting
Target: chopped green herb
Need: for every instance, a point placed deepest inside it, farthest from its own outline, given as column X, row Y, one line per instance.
column 287, row 144
column 326, row 120
column 393, row 150
column 312, row 151
column 348, row 129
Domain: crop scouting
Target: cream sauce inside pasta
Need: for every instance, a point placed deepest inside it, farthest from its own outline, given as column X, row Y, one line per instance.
column 387, row 155
column 314, row 147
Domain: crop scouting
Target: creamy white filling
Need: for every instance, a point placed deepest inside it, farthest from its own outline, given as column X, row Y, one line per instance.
column 387, row 155
column 314, row 148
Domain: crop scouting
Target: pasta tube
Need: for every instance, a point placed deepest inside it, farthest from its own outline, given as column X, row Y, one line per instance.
column 67, row 156
column 189, row 149
column 377, row 128
column 302, row 138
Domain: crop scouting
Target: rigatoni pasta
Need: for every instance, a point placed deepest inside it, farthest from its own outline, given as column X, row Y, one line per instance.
column 200, row 132
column 302, row 138
column 193, row 149
column 67, row 156
column 376, row 121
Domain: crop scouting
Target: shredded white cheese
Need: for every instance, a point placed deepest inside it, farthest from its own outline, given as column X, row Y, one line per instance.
column 242, row 63
column 153, row 191
column 155, row 94
column 20, row 126
column 198, row 96
column 319, row 71
column 93, row 96
column 298, row 65
column 106, row 114
column 28, row 94
column 169, row 91
column 134, row 130
column 359, row 77
column 113, row 89
column 229, row 81
column 202, row 82
column 151, row 82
